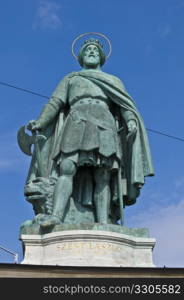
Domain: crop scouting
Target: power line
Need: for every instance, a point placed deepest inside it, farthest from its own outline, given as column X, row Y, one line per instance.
column 47, row 97
column 165, row 134
column 23, row 90
column 11, row 252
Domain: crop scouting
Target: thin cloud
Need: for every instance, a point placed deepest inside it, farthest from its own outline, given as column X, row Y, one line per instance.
column 166, row 224
column 4, row 164
column 149, row 49
column 179, row 183
column 10, row 155
column 165, row 31
column 168, row 228
column 47, row 15
column 9, row 164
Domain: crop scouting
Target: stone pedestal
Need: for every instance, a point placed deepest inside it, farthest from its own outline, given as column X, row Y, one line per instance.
column 95, row 248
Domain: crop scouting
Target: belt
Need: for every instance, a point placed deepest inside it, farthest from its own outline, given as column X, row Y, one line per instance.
column 90, row 101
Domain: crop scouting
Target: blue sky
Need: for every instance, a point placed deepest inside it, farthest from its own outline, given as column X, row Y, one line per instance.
column 148, row 55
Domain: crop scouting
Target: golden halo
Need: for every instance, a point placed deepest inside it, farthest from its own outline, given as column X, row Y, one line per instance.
column 91, row 33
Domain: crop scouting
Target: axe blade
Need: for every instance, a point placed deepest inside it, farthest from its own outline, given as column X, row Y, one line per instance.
column 24, row 141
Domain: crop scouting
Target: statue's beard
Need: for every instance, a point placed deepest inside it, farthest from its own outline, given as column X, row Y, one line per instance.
column 91, row 62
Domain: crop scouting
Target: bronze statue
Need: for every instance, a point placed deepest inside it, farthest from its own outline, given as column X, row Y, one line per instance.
column 90, row 147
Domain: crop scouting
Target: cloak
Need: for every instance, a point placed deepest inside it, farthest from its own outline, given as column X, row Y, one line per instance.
column 136, row 158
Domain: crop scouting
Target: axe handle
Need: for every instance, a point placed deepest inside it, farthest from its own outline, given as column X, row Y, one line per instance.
column 38, row 155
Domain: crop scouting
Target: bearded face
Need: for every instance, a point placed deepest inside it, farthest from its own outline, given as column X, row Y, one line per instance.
column 91, row 57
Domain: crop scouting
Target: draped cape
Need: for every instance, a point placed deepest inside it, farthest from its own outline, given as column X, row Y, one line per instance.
column 136, row 158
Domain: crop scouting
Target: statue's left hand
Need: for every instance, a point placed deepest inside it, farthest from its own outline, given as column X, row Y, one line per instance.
column 132, row 126
column 132, row 130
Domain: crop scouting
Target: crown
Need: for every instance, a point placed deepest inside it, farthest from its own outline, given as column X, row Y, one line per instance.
column 93, row 41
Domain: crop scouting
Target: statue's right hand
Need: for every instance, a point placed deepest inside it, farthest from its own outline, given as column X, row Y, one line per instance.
column 34, row 125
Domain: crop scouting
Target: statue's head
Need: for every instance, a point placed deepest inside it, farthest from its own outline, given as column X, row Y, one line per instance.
column 91, row 54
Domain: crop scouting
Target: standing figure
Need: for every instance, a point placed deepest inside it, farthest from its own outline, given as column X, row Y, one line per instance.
column 95, row 149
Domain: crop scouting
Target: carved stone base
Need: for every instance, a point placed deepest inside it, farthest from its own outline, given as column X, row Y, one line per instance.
column 88, row 248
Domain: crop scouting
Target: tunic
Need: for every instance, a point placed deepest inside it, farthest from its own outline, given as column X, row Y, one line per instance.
column 89, row 134
column 78, row 123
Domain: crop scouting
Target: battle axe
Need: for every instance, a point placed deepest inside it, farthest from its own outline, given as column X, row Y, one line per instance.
column 26, row 141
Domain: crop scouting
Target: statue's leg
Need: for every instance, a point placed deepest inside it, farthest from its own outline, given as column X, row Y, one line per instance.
column 102, row 194
column 62, row 193
column 64, row 187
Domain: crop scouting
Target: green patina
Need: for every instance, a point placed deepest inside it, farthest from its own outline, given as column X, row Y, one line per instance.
column 91, row 152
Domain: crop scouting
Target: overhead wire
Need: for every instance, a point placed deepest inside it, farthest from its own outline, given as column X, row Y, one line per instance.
column 47, row 97
column 165, row 134
column 23, row 90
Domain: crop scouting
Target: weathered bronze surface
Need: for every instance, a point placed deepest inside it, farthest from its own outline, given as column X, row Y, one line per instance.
column 93, row 155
